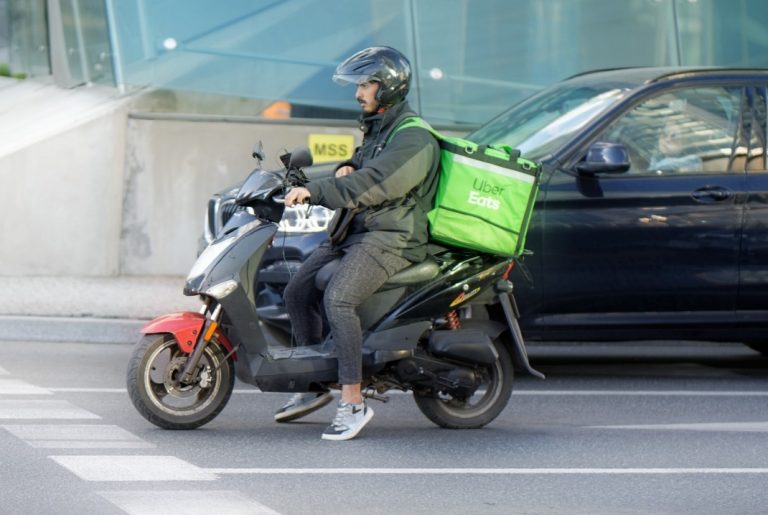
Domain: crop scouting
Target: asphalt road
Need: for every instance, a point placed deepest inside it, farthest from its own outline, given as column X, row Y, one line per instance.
column 679, row 428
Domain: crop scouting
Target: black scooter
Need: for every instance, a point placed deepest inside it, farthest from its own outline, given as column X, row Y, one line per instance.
column 426, row 330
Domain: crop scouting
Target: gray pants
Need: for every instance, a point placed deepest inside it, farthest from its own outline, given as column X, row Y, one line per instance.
column 363, row 270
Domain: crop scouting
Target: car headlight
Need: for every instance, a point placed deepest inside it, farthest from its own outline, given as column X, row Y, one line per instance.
column 305, row 219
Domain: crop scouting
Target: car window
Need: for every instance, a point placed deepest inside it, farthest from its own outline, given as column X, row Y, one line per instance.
column 685, row 131
column 756, row 130
column 541, row 123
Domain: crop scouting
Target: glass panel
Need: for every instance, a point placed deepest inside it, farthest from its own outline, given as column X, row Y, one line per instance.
column 689, row 130
column 478, row 58
column 732, row 33
column 272, row 50
column 87, row 41
column 471, row 59
column 5, row 42
column 28, row 35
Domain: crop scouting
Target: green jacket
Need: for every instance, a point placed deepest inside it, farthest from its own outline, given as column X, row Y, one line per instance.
column 385, row 202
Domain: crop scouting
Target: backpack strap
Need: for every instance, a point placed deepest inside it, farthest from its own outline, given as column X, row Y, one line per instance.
column 407, row 123
column 413, row 121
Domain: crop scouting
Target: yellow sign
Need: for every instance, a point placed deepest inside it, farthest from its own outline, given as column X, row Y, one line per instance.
column 327, row 148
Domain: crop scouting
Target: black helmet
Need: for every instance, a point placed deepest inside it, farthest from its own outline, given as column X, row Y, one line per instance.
column 382, row 64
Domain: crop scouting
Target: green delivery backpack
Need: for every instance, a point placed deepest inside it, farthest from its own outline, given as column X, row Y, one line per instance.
column 485, row 194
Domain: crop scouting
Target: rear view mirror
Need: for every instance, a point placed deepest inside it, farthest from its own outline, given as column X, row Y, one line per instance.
column 603, row 157
column 300, row 157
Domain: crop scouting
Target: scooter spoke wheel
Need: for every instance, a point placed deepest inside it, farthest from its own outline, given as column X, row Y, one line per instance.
column 478, row 409
column 155, row 390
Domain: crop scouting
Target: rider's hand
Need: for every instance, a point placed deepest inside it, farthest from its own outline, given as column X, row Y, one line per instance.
column 345, row 170
column 296, row 196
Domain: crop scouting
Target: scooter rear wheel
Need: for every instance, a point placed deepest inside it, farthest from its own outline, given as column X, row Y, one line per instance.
column 153, row 370
column 481, row 408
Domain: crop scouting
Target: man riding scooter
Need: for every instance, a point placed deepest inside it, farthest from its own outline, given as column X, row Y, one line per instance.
column 382, row 196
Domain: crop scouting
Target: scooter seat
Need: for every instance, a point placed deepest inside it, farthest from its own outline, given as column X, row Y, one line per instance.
column 414, row 274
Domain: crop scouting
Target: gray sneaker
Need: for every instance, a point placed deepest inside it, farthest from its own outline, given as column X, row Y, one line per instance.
column 302, row 404
column 350, row 419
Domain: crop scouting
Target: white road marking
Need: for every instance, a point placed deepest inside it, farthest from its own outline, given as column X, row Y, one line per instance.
column 27, row 409
column 491, row 471
column 738, row 427
column 133, row 468
column 597, row 393
column 647, row 393
column 88, row 390
column 74, row 436
column 16, row 387
column 77, row 444
column 3, row 372
column 162, row 502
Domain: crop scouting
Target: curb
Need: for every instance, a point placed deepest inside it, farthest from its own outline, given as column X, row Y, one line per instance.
column 70, row 329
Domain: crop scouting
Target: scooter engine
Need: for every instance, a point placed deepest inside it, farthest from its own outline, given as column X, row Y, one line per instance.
column 422, row 371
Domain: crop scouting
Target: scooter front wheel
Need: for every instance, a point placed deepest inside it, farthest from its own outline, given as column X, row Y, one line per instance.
column 157, row 362
column 475, row 411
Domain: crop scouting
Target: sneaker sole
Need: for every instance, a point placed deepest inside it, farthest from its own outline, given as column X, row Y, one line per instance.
column 288, row 415
column 350, row 435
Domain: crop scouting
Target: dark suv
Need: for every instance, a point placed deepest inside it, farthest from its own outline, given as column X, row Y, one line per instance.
column 652, row 219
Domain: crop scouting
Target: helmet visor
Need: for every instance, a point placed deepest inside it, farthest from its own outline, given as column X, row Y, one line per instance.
column 357, row 80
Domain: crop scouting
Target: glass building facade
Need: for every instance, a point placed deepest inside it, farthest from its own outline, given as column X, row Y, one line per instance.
column 471, row 58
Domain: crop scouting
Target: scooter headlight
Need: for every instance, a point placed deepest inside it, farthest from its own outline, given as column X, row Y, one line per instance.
column 221, row 290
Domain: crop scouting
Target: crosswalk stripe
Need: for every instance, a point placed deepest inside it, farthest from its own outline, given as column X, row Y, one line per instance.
column 133, row 468
column 76, row 436
column 148, row 502
column 16, row 387
column 29, row 409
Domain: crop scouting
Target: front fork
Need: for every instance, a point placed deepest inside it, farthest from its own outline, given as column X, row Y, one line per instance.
column 203, row 338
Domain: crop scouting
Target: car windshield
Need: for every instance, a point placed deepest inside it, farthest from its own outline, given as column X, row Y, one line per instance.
column 540, row 124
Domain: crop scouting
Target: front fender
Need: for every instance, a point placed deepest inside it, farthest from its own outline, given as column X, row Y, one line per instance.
column 185, row 327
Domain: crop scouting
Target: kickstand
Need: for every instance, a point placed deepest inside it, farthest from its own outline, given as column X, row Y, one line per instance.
column 369, row 393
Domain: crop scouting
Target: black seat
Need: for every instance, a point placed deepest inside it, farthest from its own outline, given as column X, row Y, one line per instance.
column 414, row 274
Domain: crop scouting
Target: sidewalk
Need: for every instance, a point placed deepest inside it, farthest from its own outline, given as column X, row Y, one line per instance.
column 86, row 309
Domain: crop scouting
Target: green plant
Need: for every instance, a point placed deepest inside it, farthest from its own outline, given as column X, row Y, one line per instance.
column 5, row 71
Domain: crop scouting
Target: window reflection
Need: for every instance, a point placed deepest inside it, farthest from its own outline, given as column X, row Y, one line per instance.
column 689, row 131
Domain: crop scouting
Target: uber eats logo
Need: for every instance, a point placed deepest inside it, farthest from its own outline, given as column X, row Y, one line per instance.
column 326, row 148
column 485, row 194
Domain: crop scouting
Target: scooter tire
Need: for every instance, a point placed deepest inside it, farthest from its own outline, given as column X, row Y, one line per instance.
column 154, row 360
column 454, row 413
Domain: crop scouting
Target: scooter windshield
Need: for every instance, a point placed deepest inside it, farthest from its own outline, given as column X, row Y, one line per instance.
column 259, row 186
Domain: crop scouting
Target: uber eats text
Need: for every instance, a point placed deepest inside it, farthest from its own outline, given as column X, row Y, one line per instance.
column 483, row 194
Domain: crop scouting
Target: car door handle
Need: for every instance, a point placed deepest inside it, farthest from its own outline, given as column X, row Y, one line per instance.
column 711, row 194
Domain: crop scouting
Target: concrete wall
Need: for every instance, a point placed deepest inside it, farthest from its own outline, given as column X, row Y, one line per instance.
column 91, row 188
column 173, row 166
column 60, row 181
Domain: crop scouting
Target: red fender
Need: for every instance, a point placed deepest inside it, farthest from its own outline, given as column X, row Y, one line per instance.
column 185, row 327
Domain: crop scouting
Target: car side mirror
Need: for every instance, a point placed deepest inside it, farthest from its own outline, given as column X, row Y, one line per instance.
column 604, row 157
